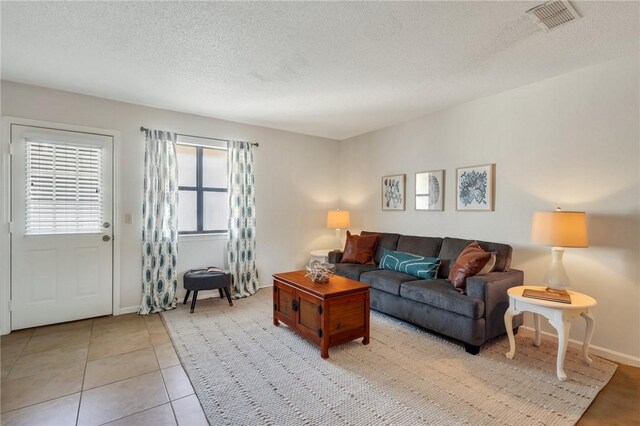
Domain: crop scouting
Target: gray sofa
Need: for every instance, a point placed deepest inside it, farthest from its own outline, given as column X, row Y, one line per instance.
column 472, row 317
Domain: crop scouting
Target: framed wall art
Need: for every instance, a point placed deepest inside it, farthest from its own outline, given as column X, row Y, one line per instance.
column 430, row 190
column 393, row 192
column 475, row 188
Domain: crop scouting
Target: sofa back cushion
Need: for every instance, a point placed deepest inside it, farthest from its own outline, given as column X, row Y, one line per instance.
column 412, row 264
column 386, row 241
column 452, row 247
column 422, row 246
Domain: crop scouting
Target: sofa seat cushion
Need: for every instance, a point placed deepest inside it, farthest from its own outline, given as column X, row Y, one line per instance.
column 442, row 294
column 385, row 280
column 353, row 270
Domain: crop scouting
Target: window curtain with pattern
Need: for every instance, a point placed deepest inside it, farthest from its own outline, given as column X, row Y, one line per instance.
column 160, row 223
column 242, row 219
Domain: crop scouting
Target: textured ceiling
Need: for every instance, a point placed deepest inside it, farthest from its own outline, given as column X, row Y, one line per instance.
column 321, row 68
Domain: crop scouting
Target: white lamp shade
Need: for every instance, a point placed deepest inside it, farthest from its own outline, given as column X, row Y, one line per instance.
column 338, row 219
column 560, row 229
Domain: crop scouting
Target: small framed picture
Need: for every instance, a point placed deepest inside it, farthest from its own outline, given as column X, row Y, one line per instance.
column 393, row 192
column 430, row 190
column 475, row 187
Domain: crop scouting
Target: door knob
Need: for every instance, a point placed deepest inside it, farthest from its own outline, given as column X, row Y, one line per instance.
column 106, row 238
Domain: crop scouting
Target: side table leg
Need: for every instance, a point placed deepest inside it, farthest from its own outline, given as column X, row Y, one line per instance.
column 536, row 324
column 563, row 326
column 508, row 321
column 591, row 323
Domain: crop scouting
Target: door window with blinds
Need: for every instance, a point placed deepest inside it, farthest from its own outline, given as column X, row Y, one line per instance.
column 203, row 204
column 63, row 188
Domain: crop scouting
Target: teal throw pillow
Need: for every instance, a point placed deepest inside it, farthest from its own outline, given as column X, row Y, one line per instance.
column 418, row 266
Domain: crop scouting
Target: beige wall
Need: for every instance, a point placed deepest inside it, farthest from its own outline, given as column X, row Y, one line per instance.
column 296, row 177
column 570, row 141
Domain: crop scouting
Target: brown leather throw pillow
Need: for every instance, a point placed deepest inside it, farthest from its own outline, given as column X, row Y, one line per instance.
column 360, row 248
column 469, row 263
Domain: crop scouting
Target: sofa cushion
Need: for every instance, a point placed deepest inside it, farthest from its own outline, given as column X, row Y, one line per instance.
column 469, row 263
column 422, row 246
column 387, row 281
column 418, row 266
column 353, row 270
column 359, row 248
column 452, row 247
column 441, row 294
column 386, row 241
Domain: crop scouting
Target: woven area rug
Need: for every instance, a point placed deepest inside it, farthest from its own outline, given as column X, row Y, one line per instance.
column 246, row 371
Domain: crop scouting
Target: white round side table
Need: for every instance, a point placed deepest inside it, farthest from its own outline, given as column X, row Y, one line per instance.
column 320, row 255
column 559, row 316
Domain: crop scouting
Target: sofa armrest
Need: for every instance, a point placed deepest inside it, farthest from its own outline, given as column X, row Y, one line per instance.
column 335, row 256
column 492, row 288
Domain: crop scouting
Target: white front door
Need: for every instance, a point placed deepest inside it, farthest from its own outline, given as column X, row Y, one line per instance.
column 61, row 233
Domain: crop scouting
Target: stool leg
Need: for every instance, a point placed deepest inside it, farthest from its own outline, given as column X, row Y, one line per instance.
column 193, row 302
column 220, row 291
column 186, row 297
column 226, row 291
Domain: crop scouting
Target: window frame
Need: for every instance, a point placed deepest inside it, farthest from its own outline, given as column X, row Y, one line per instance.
column 200, row 189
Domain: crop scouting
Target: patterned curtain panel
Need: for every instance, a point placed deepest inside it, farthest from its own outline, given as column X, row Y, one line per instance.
column 160, row 224
column 242, row 219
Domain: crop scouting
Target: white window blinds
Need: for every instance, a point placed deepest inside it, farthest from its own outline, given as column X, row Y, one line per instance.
column 63, row 188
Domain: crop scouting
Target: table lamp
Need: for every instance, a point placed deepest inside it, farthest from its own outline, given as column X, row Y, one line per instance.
column 559, row 229
column 338, row 219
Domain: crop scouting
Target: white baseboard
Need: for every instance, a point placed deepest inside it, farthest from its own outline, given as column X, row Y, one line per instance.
column 614, row 356
column 127, row 310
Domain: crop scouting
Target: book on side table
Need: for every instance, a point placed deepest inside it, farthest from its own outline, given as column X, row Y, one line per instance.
column 546, row 295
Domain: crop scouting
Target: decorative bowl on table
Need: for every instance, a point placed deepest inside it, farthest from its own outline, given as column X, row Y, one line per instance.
column 320, row 272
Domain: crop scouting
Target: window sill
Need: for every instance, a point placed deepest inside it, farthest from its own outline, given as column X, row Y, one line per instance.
column 202, row 237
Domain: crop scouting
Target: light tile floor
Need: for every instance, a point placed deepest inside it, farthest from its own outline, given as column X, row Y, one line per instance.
column 111, row 370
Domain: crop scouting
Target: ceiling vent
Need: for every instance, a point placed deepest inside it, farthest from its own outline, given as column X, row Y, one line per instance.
column 552, row 14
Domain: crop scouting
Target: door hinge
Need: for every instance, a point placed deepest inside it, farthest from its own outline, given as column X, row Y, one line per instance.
column 319, row 332
column 320, row 310
column 11, row 149
column 294, row 306
column 275, row 306
column 11, row 227
column 10, row 305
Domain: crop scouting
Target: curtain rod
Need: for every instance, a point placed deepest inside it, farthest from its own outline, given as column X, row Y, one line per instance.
column 144, row 129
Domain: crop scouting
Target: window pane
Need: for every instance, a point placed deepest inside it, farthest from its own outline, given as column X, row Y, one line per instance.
column 215, row 214
column 187, row 211
column 186, row 165
column 214, row 168
column 63, row 188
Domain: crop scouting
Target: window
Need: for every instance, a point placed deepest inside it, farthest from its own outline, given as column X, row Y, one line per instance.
column 63, row 188
column 203, row 206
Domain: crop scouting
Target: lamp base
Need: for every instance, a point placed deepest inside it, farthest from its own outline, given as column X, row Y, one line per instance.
column 556, row 291
column 556, row 277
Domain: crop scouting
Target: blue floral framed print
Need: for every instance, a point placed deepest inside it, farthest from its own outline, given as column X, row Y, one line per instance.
column 475, row 188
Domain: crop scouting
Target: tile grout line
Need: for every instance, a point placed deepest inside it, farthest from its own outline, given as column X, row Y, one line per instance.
column 166, row 328
column 13, row 365
column 160, row 369
column 84, row 375
column 133, row 414
column 19, row 354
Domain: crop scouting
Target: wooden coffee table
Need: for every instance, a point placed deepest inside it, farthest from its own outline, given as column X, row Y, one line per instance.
column 327, row 314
